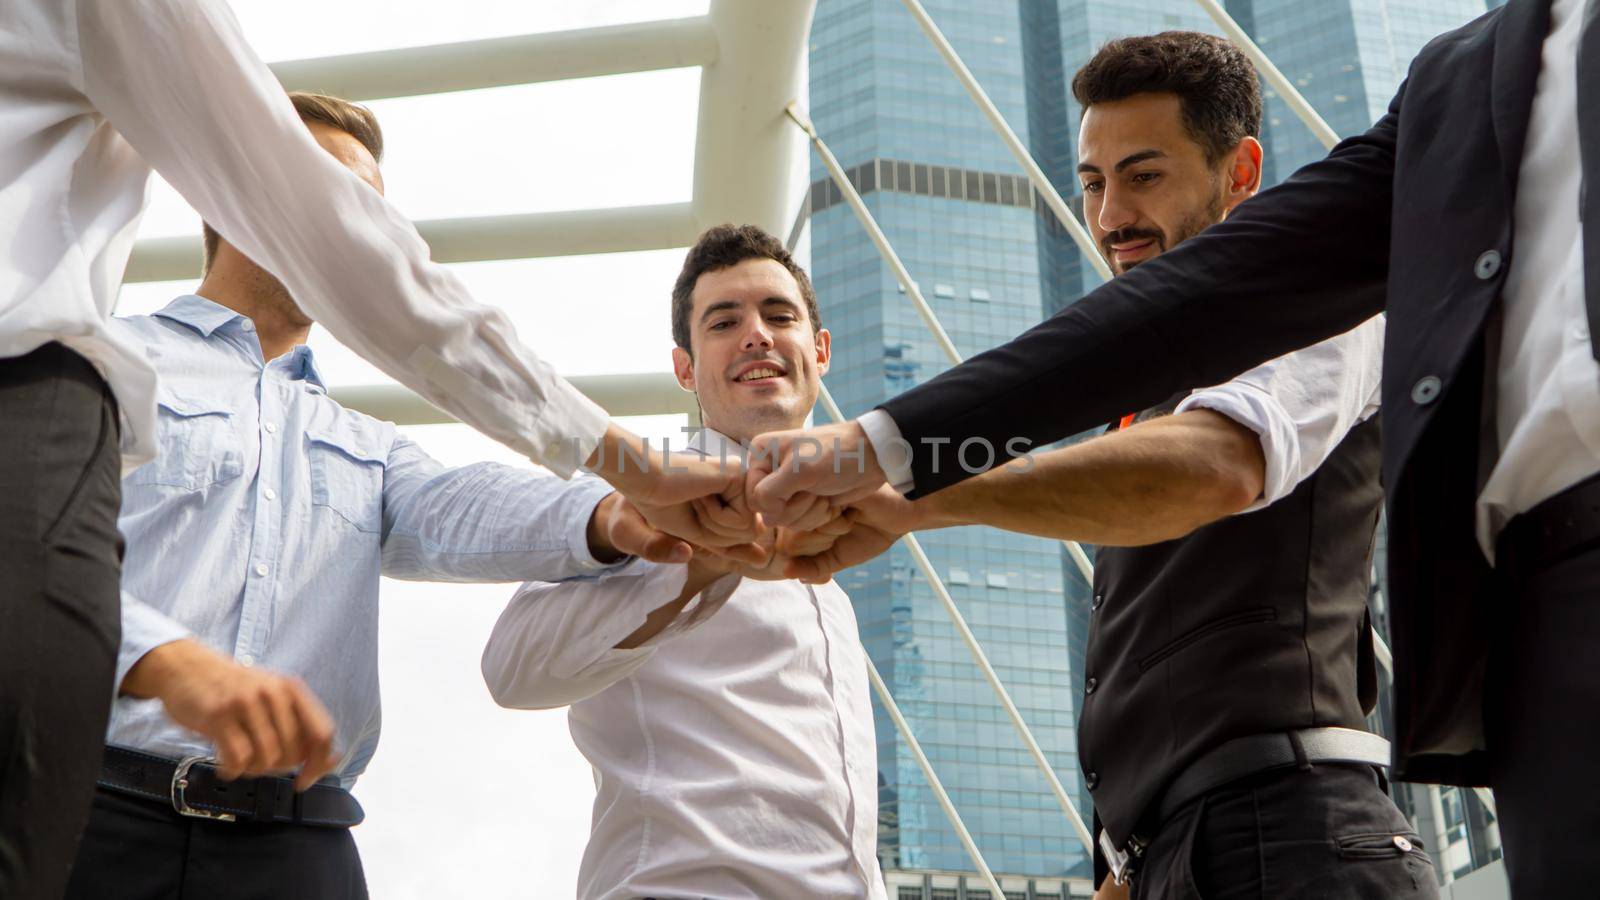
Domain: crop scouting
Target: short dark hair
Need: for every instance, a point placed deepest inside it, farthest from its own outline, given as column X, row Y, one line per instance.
column 335, row 112
column 724, row 246
column 1215, row 83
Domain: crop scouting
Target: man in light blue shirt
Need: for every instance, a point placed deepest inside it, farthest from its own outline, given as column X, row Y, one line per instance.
column 250, row 586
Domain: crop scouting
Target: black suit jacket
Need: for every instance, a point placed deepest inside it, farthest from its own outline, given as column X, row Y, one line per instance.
column 1413, row 217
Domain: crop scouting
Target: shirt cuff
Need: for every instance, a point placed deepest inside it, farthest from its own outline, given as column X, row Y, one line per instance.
column 892, row 451
column 1255, row 410
column 585, row 495
column 569, row 429
column 700, row 608
column 143, row 630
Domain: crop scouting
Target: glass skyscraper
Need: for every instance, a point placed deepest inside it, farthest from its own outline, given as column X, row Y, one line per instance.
column 992, row 261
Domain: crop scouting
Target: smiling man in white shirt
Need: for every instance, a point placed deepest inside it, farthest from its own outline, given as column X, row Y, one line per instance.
column 725, row 712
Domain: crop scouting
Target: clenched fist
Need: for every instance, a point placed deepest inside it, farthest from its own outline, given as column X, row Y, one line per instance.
column 261, row 722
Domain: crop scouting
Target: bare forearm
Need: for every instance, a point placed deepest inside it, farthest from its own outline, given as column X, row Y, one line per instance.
column 1156, row 481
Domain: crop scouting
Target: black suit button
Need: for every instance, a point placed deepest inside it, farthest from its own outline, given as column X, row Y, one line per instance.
column 1090, row 685
column 1426, row 390
column 1099, row 601
column 1091, row 780
column 1488, row 265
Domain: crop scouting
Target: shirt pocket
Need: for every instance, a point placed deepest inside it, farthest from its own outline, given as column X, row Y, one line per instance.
column 198, row 446
column 347, row 474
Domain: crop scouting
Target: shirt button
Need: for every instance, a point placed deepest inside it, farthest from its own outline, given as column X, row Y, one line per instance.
column 247, row 660
column 270, row 494
column 1090, row 685
column 1488, row 265
column 261, row 569
column 1091, row 780
column 1580, row 332
column 1426, row 390
column 271, row 428
column 1401, row 842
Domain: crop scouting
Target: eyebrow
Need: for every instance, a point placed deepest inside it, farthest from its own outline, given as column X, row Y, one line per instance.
column 1130, row 160
column 724, row 305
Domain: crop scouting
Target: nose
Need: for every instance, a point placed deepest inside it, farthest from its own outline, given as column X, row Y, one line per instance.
column 1115, row 213
column 757, row 336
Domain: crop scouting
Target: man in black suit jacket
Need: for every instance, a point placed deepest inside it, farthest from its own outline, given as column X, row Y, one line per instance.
column 1458, row 213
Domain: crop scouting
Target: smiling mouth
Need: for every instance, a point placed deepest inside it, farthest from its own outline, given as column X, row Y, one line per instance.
column 762, row 374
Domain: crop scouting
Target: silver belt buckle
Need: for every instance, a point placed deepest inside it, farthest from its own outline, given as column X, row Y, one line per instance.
column 1120, row 862
column 180, row 783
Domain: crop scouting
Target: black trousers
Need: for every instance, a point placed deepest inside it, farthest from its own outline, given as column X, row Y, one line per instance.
column 60, row 564
column 1328, row 832
column 137, row 849
column 1543, row 729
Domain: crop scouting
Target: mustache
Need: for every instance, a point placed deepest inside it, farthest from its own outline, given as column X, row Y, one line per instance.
column 1126, row 235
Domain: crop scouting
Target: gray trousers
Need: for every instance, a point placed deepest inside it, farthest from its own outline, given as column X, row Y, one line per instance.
column 60, row 564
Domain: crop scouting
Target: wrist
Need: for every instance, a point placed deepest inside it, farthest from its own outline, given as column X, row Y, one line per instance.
column 623, row 461
column 937, row 510
column 599, row 530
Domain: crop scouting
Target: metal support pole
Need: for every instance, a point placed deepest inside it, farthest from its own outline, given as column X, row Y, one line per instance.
column 1441, row 834
column 1279, row 81
column 904, row 728
column 1052, row 197
column 982, row 660
column 1486, row 797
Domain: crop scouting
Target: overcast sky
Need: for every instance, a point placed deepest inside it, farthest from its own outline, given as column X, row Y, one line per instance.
column 465, row 799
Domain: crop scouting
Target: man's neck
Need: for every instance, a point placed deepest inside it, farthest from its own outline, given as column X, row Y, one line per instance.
column 277, row 329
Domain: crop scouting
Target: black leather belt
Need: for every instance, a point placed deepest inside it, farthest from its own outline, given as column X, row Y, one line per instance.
column 1555, row 528
column 193, row 788
column 1241, row 758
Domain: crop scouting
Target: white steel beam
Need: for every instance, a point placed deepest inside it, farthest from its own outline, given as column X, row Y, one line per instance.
column 1052, row 197
column 644, row 394
column 982, row 660
column 499, row 62
column 526, row 236
column 745, row 155
column 1280, row 82
column 949, row 807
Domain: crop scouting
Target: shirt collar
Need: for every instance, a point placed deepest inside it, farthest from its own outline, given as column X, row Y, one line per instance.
column 711, row 442
column 206, row 317
column 198, row 313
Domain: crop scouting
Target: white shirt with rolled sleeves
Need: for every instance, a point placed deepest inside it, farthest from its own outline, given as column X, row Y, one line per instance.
column 734, row 752
column 94, row 93
column 1301, row 405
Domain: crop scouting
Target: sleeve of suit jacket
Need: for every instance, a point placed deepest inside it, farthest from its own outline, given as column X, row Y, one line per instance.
column 1303, row 261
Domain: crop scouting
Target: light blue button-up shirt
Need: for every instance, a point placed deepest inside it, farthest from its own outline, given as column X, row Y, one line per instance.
column 264, row 523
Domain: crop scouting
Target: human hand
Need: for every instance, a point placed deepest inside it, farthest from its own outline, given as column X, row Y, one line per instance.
column 696, row 499
column 261, row 722
column 867, row 528
column 789, row 471
column 1110, row 890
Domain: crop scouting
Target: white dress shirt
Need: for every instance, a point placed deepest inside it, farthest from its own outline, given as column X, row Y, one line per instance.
column 1301, row 405
column 1548, row 413
column 94, row 93
column 734, row 754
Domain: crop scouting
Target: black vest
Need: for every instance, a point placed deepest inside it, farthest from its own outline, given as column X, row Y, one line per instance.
column 1256, row 623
